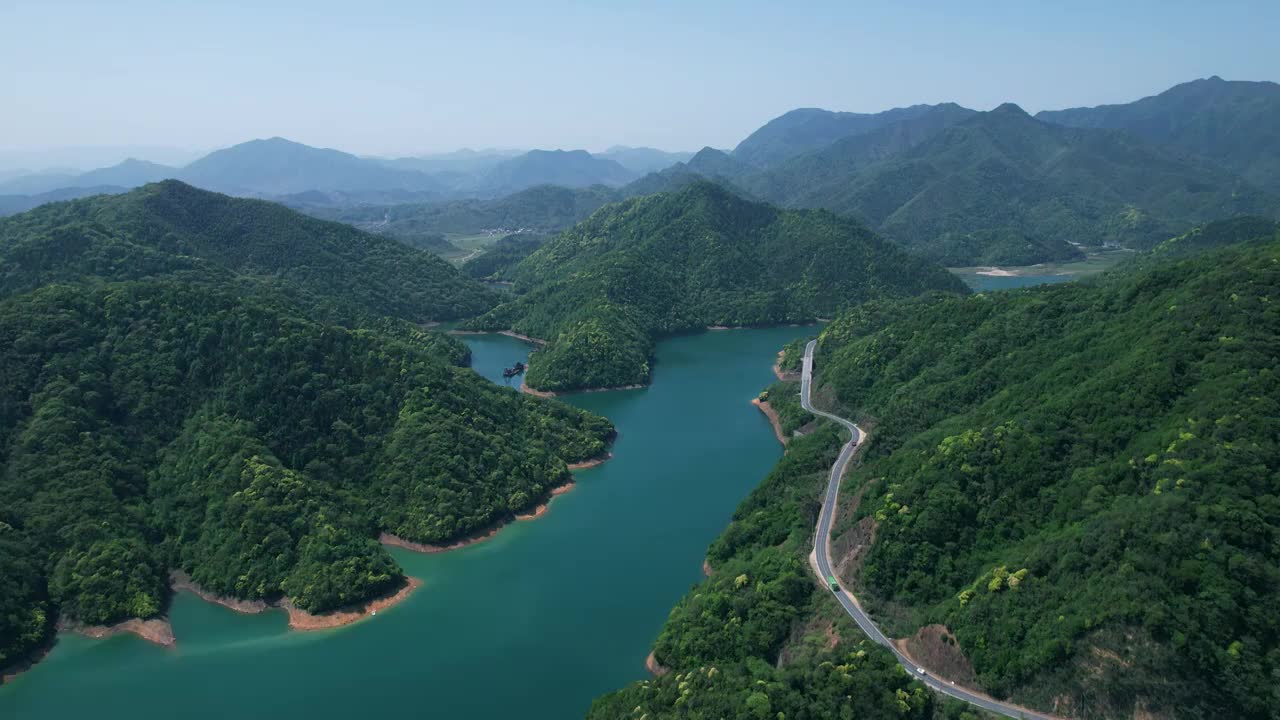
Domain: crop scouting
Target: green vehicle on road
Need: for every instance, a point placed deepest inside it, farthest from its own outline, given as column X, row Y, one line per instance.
column 835, row 584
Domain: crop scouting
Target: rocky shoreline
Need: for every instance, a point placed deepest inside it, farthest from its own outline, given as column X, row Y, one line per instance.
column 299, row 619
column 774, row 420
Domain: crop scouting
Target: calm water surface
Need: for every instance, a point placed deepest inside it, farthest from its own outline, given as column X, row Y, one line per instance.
column 533, row 623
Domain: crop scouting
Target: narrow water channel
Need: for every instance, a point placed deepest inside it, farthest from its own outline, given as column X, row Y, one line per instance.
column 532, row 624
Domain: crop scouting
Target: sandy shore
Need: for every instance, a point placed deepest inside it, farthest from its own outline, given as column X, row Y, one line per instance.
column 298, row 619
column 536, row 393
column 181, row 582
column 551, row 393
column 589, row 463
column 772, row 414
column 526, row 338
column 303, row 620
column 996, row 272
column 651, row 664
column 541, row 509
column 387, row 538
column 154, row 630
column 508, row 333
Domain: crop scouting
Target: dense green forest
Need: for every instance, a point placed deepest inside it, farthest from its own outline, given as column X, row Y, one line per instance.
column 1236, row 123
column 1081, row 480
column 602, row 292
column 1003, row 188
column 170, row 229
column 496, row 262
column 154, row 425
column 232, row 389
column 758, row 639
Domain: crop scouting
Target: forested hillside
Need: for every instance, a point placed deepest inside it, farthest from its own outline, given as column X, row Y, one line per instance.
column 1081, row 481
column 602, row 292
column 794, row 133
column 497, row 261
column 154, row 425
column 757, row 639
column 235, row 390
column 1235, row 123
column 172, row 229
column 1004, row 188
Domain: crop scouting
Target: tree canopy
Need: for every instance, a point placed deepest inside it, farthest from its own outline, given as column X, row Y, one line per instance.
column 602, row 292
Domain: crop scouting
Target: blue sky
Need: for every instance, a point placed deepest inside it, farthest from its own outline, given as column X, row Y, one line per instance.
column 405, row 77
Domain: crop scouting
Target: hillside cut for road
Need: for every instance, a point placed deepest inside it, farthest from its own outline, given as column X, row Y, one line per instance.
column 601, row 292
column 1081, row 481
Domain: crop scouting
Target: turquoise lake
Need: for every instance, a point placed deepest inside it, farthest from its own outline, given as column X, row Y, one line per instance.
column 530, row 624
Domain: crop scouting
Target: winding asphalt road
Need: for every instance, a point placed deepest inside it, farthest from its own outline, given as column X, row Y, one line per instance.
column 821, row 562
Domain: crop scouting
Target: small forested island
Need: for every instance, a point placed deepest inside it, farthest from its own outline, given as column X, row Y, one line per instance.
column 173, row 402
column 603, row 291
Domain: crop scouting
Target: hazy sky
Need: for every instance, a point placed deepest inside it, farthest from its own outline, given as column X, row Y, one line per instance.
column 403, row 77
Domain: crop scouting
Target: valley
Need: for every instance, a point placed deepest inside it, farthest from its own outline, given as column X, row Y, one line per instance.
column 640, row 361
column 594, row 578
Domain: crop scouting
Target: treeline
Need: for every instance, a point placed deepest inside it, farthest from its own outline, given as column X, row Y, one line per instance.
column 1081, row 480
column 601, row 292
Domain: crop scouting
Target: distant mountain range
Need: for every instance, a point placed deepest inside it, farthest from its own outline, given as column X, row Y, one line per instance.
column 958, row 186
column 967, row 188
column 277, row 168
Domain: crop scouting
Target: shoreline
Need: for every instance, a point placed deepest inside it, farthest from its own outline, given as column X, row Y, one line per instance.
column 651, row 664
column 179, row 581
column 156, row 630
column 304, row 621
column 556, row 393
column 585, row 464
column 487, row 532
column 299, row 619
column 542, row 507
column 781, row 374
column 774, row 421
column 508, row 333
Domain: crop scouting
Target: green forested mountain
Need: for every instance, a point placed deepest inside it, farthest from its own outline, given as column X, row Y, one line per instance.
column 14, row 204
column 604, row 290
column 496, row 262
column 567, row 168
column 1235, row 123
column 708, row 164
column 1081, row 481
column 130, row 173
column 277, row 166
column 1004, row 188
column 643, row 159
column 176, row 424
column 172, row 229
column 793, row 181
column 800, row 131
column 544, row 208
